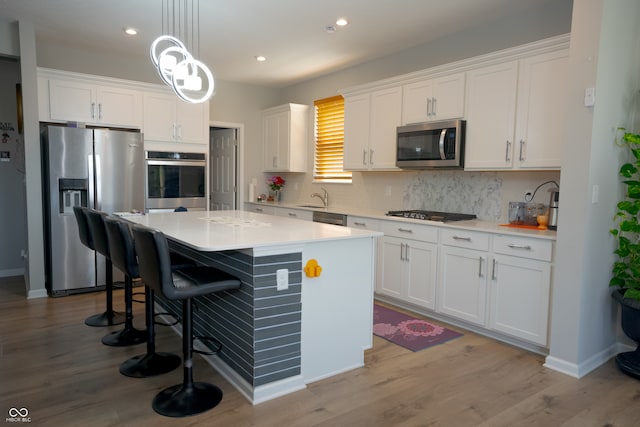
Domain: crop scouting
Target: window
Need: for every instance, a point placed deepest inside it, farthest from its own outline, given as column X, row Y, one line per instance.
column 329, row 149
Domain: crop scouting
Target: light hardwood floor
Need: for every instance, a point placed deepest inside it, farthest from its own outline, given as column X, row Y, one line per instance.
column 56, row 367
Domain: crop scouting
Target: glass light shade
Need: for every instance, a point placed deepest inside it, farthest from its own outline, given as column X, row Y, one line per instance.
column 181, row 71
column 193, row 83
column 168, row 62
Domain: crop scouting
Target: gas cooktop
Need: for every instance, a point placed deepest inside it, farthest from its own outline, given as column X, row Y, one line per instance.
column 432, row 215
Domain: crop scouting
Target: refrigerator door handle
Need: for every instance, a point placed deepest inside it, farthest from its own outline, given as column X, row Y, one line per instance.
column 98, row 183
column 92, row 184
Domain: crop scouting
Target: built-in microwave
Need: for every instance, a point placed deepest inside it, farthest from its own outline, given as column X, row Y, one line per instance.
column 175, row 180
column 431, row 145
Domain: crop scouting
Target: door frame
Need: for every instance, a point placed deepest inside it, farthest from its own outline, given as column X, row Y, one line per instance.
column 239, row 166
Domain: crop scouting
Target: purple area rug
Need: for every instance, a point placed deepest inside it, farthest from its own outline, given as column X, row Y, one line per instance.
column 408, row 332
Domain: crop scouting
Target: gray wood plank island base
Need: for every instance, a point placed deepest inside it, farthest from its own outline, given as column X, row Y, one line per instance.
column 277, row 338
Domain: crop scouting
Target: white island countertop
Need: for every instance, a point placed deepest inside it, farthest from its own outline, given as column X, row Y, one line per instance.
column 227, row 230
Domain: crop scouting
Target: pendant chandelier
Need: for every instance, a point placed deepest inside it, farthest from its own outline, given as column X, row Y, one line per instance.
column 172, row 57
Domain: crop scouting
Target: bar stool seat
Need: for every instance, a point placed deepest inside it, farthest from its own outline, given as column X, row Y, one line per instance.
column 109, row 317
column 129, row 335
column 123, row 255
column 188, row 398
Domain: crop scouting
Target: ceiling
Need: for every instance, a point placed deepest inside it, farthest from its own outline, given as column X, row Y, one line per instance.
column 290, row 33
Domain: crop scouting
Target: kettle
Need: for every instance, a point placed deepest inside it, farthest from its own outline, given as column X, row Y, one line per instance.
column 553, row 209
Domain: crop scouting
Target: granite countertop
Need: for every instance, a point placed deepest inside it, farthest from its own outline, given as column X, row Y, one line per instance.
column 471, row 225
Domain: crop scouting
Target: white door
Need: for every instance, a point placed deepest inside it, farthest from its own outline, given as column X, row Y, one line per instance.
column 222, row 169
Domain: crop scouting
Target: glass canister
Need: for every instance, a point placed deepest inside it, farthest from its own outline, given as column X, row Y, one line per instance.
column 532, row 210
column 516, row 213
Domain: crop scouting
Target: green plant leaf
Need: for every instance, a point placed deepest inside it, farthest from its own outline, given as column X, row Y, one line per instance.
column 632, row 138
column 627, row 170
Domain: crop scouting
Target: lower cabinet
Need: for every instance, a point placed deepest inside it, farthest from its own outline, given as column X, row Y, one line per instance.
column 303, row 214
column 408, row 270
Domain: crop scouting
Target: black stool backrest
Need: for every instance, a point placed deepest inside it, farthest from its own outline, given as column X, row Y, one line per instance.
column 154, row 261
column 98, row 232
column 123, row 253
column 83, row 226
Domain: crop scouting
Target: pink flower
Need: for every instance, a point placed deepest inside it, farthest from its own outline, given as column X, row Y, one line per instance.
column 276, row 183
column 384, row 329
column 419, row 328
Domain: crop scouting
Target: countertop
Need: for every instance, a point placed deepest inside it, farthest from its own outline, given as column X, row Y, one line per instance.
column 226, row 230
column 471, row 225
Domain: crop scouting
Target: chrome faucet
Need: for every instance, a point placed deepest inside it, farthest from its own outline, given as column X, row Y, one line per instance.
column 324, row 198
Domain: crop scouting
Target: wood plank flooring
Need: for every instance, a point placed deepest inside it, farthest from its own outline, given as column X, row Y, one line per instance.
column 56, row 367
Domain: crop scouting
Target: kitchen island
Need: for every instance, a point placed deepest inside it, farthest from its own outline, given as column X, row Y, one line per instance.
column 290, row 323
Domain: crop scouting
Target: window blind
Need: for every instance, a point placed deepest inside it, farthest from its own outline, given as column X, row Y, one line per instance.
column 329, row 135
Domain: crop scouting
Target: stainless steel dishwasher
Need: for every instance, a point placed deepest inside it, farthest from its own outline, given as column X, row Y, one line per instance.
column 330, row 218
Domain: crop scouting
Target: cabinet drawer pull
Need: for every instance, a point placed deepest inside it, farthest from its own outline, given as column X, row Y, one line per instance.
column 258, row 209
column 516, row 246
column 292, row 214
column 361, row 224
column 405, row 230
column 466, row 239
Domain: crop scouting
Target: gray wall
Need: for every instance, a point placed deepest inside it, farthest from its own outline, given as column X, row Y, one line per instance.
column 13, row 227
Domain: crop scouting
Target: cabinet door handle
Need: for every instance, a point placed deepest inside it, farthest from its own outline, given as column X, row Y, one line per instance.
column 371, row 157
column 99, row 111
column 364, row 157
column 506, row 154
column 406, row 251
column 93, row 110
column 405, row 230
column 173, row 131
column 179, row 132
column 433, row 107
column 292, row 214
column 428, row 107
column 521, row 146
column 516, row 246
column 481, row 261
column 466, row 239
column 401, row 251
column 493, row 271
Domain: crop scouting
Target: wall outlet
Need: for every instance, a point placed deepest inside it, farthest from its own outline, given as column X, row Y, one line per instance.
column 23, row 254
column 528, row 195
column 282, row 279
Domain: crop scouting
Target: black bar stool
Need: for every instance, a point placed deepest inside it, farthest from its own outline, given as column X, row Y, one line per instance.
column 123, row 256
column 188, row 398
column 109, row 317
column 117, row 255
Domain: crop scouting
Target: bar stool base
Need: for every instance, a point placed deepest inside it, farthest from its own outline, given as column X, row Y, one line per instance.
column 105, row 319
column 149, row 365
column 181, row 401
column 125, row 337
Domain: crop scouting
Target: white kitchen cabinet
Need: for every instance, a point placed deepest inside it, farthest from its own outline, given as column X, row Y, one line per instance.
column 285, row 135
column 409, row 258
column 370, row 122
column 490, row 113
column 463, row 272
column 92, row 103
column 303, row 214
column 169, row 119
column 520, row 288
column 516, row 114
column 541, row 111
column 441, row 98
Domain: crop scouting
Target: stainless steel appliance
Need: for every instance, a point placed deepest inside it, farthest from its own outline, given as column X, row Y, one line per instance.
column 175, row 180
column 97, row 168
column 431, row 145
column 554, row 204
column 432, row 215
column 330, row 218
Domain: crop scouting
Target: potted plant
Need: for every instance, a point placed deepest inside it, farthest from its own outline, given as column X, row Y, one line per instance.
column 626, row 270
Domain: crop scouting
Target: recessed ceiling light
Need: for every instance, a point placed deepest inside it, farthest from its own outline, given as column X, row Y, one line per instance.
column 131, row 31
column 261, row 58
column 341, row 22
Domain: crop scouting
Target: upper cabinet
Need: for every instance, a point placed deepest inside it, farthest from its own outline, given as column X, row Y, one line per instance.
column 169, row 119
column 515, row 114
column 93, row 103
column 285, row 134
column 370, row 121
column 441, row 98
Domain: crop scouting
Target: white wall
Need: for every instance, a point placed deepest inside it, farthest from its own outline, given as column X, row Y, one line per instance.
column 584, row 318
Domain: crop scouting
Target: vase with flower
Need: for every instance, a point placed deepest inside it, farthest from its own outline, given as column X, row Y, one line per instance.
column 275, row 184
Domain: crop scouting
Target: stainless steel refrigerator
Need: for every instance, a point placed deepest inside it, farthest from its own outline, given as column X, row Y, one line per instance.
column 97, row 168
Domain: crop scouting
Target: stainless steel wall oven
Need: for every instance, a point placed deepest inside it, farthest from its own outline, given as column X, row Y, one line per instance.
column 175, row 179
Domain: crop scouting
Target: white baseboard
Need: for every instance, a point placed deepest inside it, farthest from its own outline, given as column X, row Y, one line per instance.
column 582, row 369
column 12, row 272
column 38, row 293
